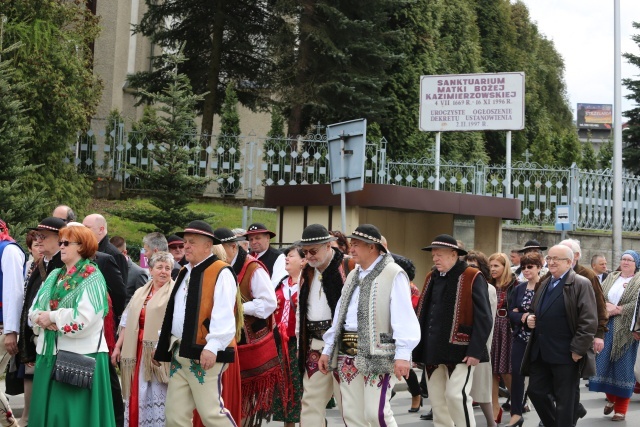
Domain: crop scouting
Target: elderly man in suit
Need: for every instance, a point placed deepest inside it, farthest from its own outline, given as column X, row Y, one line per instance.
column 564, row 321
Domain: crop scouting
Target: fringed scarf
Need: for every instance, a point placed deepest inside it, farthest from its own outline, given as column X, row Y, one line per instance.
column 154, row 315
column 622, row 337
column 65, row 289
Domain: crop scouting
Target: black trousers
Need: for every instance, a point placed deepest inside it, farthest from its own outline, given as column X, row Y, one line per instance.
column 558, row 381
column 413, row 384
column 116, row 394
column 517, row 380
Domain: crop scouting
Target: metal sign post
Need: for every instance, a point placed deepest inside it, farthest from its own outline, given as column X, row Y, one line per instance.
column 346, row 160
column 563, row 220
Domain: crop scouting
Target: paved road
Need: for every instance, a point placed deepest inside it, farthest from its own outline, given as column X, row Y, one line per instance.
column 594, row 402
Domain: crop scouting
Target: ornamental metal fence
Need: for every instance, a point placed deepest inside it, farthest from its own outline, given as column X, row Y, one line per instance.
column 243, row 165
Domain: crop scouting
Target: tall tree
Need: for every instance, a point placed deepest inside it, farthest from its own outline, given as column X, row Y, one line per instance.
column 222, row 41
column 229, row 140
column 17, row 207
column 54, row 63
column 606, row 154
column 569, row 149
column 589, row 160
column 437, row 37
column 168, row 124
column 332, row 60
column 631, row 135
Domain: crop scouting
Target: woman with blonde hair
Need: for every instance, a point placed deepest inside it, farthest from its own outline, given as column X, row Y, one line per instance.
column 144, row 384
column 504, row 280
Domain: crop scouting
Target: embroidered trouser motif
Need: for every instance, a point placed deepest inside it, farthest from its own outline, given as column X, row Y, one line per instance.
column 365, row 399
column 449, row 394
column 194, row 388
column 317, row 391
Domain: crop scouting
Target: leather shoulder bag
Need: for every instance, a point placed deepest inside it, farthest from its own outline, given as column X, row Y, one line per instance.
column 73, row 368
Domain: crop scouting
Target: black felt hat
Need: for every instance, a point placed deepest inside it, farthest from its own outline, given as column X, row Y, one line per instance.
column 447, row 242
column 315, row 234
column 50, row 224
column 199, row 227
column 258, row 228
column 225, row 235
column 533, row 244
column 368, row 233
column 174, row 240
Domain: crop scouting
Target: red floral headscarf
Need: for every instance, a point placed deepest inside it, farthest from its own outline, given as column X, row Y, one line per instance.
column 4, row 232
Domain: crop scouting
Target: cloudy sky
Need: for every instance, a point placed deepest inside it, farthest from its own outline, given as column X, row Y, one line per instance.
column 582, row 31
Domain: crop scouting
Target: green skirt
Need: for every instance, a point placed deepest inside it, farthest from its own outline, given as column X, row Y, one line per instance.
column 58, row 404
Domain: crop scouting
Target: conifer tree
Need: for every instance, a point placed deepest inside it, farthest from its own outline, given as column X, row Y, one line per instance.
column 631, row 135
column 229, row 140
column 589, row 160
column 173, row 149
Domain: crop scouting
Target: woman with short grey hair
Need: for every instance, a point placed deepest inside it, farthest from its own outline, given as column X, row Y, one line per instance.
column 161, row 257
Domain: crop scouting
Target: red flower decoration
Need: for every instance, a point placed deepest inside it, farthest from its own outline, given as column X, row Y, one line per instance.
column 75, row 326
column 54, row 304
column 67, row 329
column 89, row 269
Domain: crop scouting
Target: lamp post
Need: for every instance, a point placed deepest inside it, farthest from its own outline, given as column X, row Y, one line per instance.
column 617, row 135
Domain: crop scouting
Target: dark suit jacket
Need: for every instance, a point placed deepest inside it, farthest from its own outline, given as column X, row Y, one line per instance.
column 582, row 319
column 138, row 277
column 115, row 284
column 515, row 298
column 121, row 260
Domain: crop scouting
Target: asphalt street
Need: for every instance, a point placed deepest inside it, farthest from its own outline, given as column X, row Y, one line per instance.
column 593, row 402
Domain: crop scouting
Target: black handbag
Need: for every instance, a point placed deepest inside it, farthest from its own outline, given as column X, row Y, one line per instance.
column 73, row 368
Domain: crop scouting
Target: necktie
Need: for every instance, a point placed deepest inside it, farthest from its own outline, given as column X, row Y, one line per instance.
column 553, row 284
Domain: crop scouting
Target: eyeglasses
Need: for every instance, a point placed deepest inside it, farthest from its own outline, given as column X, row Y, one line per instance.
column 555, row 259
column 528, row 267
column 628, row 259
column 66, row 243
column 176, row 247
column 312, row 252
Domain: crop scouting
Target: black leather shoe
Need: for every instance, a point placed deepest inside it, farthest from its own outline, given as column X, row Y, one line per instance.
column 427, row 417
column 582, row 411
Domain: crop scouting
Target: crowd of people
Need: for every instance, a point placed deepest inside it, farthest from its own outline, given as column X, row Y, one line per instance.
column 223, row 329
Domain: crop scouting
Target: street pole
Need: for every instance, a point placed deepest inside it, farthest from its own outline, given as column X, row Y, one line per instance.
column 508, row 177
column 437, row 186
column 343, row 187
column 617, row 135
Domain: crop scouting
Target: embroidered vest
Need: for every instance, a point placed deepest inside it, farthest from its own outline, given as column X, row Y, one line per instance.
column 202, row 284
column 376, row 347
column 254, row 327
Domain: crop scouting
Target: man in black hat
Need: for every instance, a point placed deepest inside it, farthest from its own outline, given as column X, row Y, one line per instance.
column 259, row 241
column 455, row 320
column 373, row 332
column 198, row 335
column 320, row 287
column 12, row 268
column 176, row 248
column 47, row 236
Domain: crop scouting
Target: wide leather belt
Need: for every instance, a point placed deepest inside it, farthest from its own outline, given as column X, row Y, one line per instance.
column 349, row 343
column 317, row 329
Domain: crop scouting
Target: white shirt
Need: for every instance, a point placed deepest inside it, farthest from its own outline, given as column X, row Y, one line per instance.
column 317, row 306
column 404, row 322
column 617, row 289
column 278, row 269
column 222, row 327
column 12, row 287
column 264, row 295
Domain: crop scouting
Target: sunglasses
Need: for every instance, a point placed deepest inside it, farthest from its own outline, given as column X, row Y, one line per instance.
column 312, row 252
column 528, row 267
column 176, row 247
column 66, row 243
